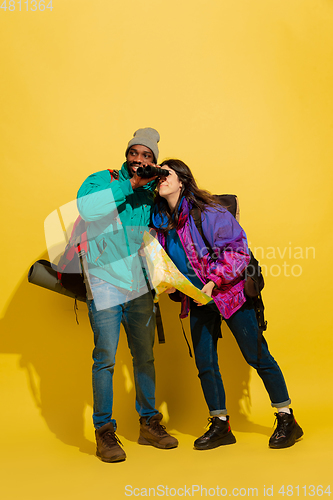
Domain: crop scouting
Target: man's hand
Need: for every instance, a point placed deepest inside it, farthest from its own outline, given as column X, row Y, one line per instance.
column 207, row 289
column 137, row 181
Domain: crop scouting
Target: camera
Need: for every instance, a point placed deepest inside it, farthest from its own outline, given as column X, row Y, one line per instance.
column 149, row 171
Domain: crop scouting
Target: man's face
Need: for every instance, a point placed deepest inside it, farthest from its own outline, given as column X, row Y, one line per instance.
column 138, row 156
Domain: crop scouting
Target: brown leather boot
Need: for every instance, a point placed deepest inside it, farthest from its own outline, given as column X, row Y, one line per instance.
column 108, row 449
column 155, row 434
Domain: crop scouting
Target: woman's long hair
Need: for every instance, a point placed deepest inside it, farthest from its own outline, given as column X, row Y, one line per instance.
column 195, row 196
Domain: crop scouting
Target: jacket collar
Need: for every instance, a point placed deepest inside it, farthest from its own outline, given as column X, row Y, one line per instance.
column 160, row 219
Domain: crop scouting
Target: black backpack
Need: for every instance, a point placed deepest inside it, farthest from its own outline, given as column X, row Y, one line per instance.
column 254, row 279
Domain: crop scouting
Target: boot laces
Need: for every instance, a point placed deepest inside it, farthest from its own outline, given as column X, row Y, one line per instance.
column 110, row 438
column 211, row 423
column 157, row 427
column 281, row 424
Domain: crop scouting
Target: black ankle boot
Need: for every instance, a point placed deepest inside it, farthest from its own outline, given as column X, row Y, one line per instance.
column 287, row 431
column 218, row 434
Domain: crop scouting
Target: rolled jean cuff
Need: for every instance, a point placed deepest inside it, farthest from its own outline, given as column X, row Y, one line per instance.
column 148, row 417
column 218, row 413
column 281, row 405
column 112, row 421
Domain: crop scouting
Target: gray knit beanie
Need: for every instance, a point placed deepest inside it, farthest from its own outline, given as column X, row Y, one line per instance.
column 148, row 137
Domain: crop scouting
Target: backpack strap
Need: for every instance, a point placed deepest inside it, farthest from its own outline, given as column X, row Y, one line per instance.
column 158, row 316
column 85, row 272
column 159, row 324
column 114, row 174
column 187, row 342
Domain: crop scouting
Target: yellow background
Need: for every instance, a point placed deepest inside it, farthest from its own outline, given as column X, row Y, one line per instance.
column 241, row 91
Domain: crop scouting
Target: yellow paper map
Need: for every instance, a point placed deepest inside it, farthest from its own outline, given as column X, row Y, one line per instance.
column 164, row 274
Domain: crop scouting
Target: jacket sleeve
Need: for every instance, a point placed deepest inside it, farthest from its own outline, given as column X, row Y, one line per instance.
column 229, row 243
column 98, row 196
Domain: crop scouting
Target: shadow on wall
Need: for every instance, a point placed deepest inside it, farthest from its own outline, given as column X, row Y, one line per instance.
column 40, row 326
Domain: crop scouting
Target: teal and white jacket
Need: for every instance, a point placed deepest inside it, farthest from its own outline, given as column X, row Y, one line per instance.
column 118, row 217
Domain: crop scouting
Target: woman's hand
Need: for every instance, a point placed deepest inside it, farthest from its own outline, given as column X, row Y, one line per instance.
column 170, row 290
column 207, row 289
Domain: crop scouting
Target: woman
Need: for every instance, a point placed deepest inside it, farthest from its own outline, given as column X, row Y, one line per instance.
column 221, row 276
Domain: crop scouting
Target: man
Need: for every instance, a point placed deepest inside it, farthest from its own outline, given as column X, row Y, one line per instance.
column 119, row 212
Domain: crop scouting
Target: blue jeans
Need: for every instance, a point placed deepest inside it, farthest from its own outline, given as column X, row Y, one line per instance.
column 138, row 317
column 205, row 324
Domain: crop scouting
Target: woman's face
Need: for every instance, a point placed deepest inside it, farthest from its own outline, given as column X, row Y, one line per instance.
column 169, row 187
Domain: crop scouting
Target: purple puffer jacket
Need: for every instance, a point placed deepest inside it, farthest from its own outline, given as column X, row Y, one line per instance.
column 229, row 243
